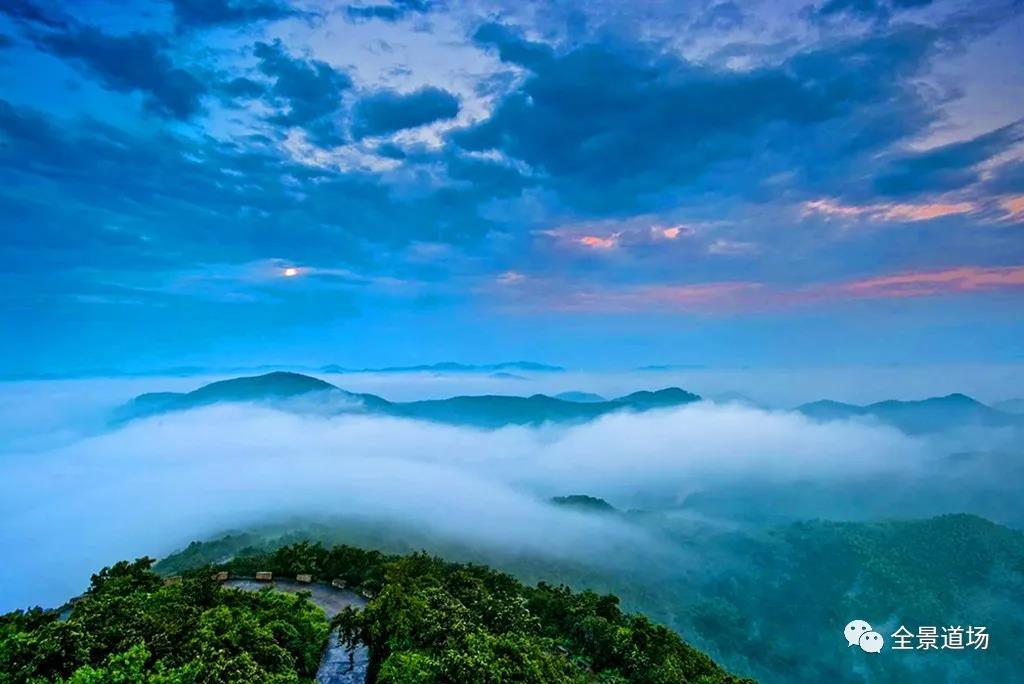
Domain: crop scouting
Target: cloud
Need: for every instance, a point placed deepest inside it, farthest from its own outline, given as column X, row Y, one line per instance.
column 877, row 10
column 27, row 12
column 1014, row 207
column 725, row 247
column 613, row 126
column 510, row 278
column 945, row 168
column 136, row 62
column 309, row 89
column 599, row 241
column 540, row 293
column 207, row 13
column 193, row 474
column 672, row 232
column 199, row 199
column 929, row 283
column 398, row 9
column 727, row 297
column 899, row 212
column 387, row 112
column 1006, row 178
column 721, row 16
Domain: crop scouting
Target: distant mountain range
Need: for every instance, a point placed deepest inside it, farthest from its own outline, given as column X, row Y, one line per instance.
column 487, row 411
column 453, row 367
column 1010, row 406
column 188, row 371
column 303, row 393
column 581, row 397
column 917, row 417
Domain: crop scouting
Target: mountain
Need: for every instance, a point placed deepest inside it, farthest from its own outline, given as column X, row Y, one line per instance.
column 274, row 386
column 424, row 620
column 734, row 584
column 580, row 397
column 584, row 503
column 738, row 398
column 486, row 411
column 452, row 367
column 1010, row 406
column 916, row 417
column 491, row 411
column 504, row 375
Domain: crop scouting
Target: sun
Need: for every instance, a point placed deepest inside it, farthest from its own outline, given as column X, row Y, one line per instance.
column 291, row 272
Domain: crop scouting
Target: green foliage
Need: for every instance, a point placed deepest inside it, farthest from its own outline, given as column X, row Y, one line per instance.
column 131, row 627
column 801, row 583
column 444, row 622
column 767, row 602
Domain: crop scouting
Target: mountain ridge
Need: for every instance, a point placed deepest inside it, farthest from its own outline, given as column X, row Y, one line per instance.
column 915, row 416
column 487, row 411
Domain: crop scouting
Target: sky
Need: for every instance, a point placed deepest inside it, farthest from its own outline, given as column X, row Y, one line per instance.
column 592, row 184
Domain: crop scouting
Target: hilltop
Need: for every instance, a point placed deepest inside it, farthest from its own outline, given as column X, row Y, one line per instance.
column 487, row 411
column 915, row 417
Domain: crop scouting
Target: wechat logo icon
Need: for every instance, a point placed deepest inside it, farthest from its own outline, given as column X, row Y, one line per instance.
column 859, row 633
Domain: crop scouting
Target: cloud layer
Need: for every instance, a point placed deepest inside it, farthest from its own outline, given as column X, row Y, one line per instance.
column 157, row 484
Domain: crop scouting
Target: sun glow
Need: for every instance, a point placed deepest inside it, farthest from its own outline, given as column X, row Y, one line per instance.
column 290, row 272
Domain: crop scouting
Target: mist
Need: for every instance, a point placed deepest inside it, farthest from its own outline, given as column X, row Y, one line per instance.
column 75, row 495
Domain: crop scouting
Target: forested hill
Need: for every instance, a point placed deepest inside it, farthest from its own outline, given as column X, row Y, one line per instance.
column 429, row 621
column 304, row 393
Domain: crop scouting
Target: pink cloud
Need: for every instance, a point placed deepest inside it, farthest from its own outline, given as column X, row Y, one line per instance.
column 697, row 297
column 600, row 242
column 924, row 212
column 894, row 212
column 672, row 232
column 929, row 283
column 735, row 296
column 1014, row 207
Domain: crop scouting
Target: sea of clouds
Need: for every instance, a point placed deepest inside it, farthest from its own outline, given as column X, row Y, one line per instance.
column 76, row 494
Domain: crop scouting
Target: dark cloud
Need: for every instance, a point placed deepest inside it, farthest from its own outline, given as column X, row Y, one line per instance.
column 945, row 168
column 390, row 151
column 243, row 88
column 393, row 12
column 877, row 10
column 309, row 88
column 1007, row 178
column 205, row 13
column 136, row 62
column 388, row 111
column 163, row 202
column 26, row 12
column 515, row 49
column 615, row 126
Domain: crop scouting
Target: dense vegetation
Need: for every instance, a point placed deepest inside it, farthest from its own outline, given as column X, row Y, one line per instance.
column 133, row 627
column 444, row 622
column 802, row 582
column 429, row 621
column 433, row 621
column 771, row 602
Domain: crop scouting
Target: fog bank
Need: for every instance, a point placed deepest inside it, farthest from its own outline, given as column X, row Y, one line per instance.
column 155, row 484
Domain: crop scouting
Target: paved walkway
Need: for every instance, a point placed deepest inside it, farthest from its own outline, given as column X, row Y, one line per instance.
column 339, row 665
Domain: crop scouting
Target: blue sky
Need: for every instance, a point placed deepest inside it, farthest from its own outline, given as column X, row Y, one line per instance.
column 591, row 184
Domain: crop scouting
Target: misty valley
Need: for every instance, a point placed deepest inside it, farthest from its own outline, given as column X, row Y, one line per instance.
column 553, row 527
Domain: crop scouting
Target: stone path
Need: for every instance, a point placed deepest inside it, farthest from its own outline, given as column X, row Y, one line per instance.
column 339, row 665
